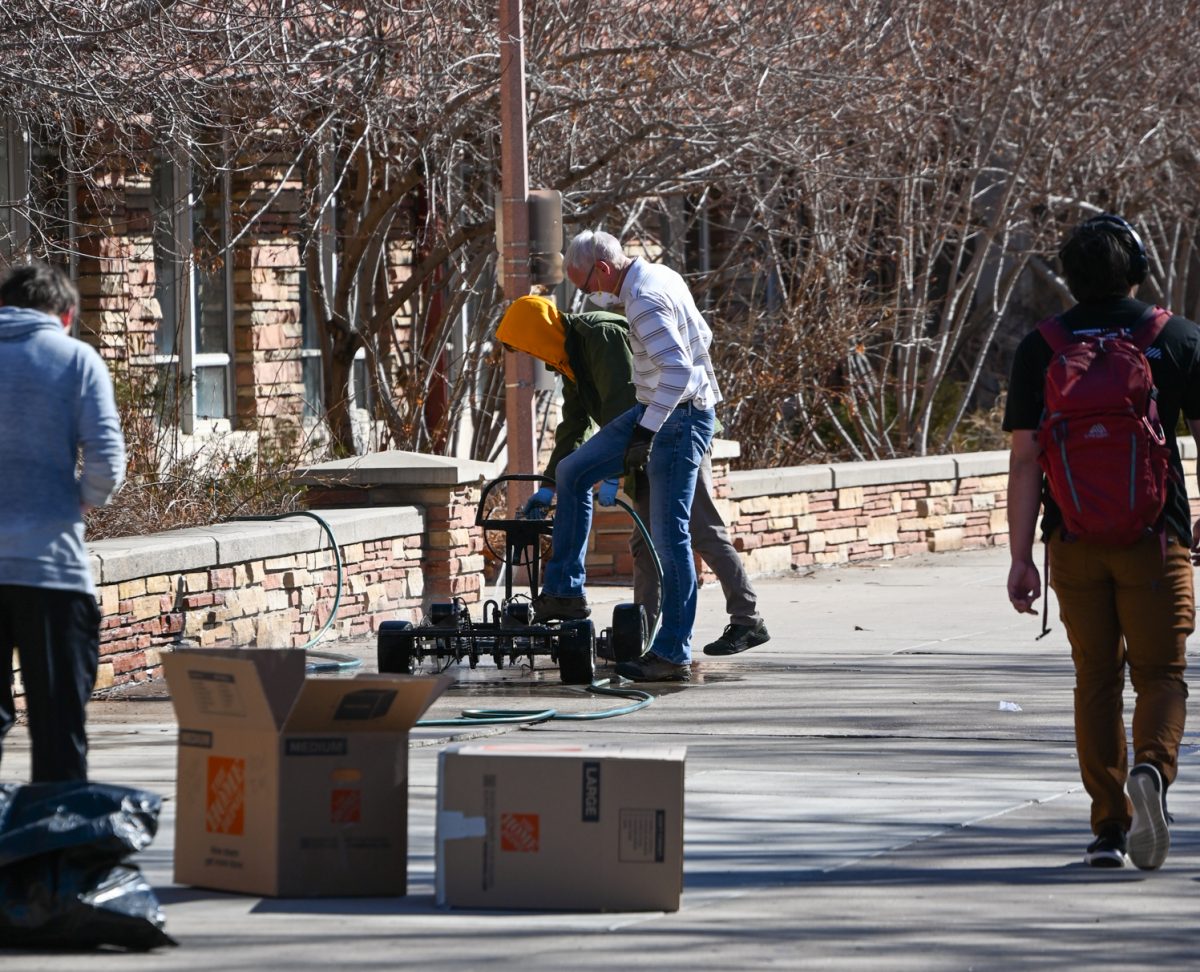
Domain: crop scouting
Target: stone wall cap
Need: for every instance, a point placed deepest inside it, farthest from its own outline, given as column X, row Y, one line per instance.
column 726, row 448
column 981, row 463
column 396, row 468
column 358, row 524
column 777, row 482
column 241, row 541
column 176, row 551
column 882, row 472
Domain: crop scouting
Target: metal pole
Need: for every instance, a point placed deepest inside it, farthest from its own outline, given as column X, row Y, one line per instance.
column 514, row 183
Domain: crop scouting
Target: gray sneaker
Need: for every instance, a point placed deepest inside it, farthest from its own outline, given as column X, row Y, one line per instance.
column 1149, row 835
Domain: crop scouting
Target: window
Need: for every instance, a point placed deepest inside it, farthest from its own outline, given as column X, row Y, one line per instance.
column 53, row 207
column 194, row 288
column 361, row 389
column 322, row 235
column 14, row 189
column 212, row 299
column 310, row 354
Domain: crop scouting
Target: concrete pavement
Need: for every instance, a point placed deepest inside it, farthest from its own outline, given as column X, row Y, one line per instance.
column 857, row 798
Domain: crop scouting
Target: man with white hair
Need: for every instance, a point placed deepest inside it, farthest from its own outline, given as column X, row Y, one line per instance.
column 668, row 432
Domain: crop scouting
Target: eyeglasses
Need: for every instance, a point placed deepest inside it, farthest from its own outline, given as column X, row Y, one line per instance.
column 588, row 280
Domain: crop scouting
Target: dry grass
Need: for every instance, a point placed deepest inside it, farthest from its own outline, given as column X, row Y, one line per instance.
column 173, row 481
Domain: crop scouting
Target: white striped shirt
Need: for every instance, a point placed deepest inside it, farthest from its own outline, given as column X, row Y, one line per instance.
column 670, row 342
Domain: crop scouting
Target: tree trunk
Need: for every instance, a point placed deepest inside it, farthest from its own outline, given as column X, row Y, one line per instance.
column 338, row 368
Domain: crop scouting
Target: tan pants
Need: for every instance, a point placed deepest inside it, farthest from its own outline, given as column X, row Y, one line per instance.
column 1125, row 606
column 710, row 539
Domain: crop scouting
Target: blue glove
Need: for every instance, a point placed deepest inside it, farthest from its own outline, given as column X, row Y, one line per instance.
column 607, row 494
column 537, row 504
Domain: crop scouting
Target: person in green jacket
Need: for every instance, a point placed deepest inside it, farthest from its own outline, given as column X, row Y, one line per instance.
column 591, row 352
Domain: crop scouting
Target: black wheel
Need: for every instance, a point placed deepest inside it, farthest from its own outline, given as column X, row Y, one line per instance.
column 577, row 652
column 628, row 636
column 519, row 612
column 395, row 647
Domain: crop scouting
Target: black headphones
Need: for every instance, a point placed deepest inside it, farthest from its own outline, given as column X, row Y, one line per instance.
column 1139, row 265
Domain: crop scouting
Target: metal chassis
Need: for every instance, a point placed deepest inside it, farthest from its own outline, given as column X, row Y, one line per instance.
column 504, row 632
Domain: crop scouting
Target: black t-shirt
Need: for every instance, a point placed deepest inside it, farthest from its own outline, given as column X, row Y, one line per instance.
column 1174, row 362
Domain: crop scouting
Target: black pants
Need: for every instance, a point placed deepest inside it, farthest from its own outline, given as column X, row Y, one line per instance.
column 57, row 634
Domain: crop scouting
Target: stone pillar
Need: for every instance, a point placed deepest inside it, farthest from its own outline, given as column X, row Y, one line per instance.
column 447, row 490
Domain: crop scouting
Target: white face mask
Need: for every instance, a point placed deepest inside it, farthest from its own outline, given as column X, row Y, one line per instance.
column 604, row 300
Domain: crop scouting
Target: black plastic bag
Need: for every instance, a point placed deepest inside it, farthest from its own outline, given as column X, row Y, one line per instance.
column 64, row 881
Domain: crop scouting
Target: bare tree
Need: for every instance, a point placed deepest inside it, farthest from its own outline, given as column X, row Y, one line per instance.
column 863, row 193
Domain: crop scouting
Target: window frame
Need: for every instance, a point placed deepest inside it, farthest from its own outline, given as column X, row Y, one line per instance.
column 186, row 358
column 14, row 193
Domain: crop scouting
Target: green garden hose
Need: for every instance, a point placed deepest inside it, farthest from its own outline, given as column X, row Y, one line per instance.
column 494, row 717
column 330, row 661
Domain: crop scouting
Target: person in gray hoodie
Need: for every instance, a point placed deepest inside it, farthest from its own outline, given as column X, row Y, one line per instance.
column 56, row 407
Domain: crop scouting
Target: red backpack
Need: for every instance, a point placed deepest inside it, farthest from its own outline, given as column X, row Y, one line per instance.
column 1103, row 449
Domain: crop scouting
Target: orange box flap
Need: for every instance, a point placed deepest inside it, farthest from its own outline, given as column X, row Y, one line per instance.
column 365, row 703
column 242, row 688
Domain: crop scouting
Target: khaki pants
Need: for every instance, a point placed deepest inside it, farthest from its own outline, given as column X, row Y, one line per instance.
column 1125, row 607
column 710, row 539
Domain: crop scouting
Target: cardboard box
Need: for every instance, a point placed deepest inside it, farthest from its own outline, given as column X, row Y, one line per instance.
column 588, row 828
column 287, row 785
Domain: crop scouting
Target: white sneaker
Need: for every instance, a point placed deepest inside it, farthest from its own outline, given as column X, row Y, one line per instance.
column 1149, row 836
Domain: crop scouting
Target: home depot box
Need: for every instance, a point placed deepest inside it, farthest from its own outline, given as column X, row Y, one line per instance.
column 289, row 785
column 596, row 828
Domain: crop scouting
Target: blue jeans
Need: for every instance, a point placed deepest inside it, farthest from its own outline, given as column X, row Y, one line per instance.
column 675, row 457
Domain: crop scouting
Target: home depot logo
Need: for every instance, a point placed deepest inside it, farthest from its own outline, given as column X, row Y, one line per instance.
column 225, row 798
column 519, row 832
column 1097, row 431
column 345, row 797
column 345, row 806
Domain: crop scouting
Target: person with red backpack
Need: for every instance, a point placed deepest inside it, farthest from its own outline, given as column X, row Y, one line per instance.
column 1093, row 403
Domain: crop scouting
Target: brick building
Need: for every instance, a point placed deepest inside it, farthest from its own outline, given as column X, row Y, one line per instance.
column 177, row 283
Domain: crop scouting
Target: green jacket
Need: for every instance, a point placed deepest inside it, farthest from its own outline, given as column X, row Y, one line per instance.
column 598, row 350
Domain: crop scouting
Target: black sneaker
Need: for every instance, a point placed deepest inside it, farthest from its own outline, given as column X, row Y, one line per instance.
column 551, row 607
column 1149, row 836
column 1108, row 849
column 738, row 637
column 653, row 668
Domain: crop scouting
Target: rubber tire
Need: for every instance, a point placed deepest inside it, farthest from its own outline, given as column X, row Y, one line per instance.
column 394, row 648
column 519, row 612
column 628, row 636
column 577, row 652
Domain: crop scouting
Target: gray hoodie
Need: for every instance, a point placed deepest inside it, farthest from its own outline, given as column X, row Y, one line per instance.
column 56, row 402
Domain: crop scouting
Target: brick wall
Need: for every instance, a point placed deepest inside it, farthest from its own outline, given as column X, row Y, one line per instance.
column 405, row 526
column 267, row 337
column 254, row 583
column 825, row 515
column 791, row 518
column 812, row 516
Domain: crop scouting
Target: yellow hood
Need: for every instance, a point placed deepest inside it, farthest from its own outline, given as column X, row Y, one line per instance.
column 535, row 326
